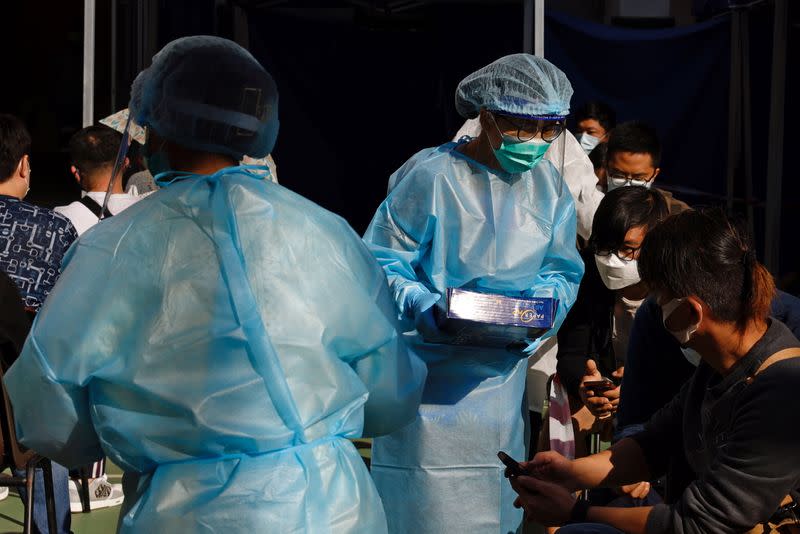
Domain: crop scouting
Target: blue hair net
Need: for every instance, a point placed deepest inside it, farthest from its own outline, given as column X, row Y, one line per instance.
column 519, row 84
column 209, row 94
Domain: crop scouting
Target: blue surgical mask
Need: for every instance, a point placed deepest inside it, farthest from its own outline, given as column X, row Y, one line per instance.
column 588, row 142
column 517, row 156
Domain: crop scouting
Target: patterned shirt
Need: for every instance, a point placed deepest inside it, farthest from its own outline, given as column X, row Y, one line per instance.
column 33, row 241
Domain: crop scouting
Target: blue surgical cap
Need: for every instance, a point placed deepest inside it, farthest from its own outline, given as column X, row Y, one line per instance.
column 208, row 93
column 519, row 84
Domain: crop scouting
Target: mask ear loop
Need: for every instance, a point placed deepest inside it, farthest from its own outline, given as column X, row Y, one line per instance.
column 118, row 164
column 496, row 127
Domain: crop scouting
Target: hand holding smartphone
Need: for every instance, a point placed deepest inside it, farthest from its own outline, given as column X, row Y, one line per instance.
column 600, row 386
column 514, row 469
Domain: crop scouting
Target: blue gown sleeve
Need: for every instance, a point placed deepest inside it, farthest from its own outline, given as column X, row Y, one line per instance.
column 39, row 384
column 393, row 374
column 399, row 235
column 66, row 435
column 562, row 268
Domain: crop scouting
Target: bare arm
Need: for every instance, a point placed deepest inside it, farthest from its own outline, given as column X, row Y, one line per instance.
column 624, row 463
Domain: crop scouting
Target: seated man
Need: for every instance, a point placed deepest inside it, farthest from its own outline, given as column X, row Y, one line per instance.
column 93, row 151
column 33, row 241
column 633, row 158
column 732, row 426
column 657, row 366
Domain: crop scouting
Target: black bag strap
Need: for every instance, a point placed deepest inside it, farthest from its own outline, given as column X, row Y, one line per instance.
column 94, row 207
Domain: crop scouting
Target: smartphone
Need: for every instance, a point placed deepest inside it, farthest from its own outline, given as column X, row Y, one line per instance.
column 514, row 469
column 599, row 386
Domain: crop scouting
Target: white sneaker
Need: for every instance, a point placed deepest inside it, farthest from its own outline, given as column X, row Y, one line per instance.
column 3, row 493
column 102, row 494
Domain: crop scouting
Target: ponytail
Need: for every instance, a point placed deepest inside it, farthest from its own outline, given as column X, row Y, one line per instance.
column 757, row 301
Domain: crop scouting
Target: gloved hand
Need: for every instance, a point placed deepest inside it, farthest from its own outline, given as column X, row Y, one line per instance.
column 421, row 304
column 420, row 301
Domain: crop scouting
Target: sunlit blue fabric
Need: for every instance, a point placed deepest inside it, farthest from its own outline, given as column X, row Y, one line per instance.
column 451, row 222
column 219, row 341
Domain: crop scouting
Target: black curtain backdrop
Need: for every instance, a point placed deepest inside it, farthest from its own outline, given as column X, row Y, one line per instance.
column 361, row 92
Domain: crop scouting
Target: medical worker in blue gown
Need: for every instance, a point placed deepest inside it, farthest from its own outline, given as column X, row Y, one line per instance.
column 221, row 339
column 487, row 214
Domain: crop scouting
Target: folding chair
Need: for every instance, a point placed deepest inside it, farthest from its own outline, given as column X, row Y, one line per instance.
column 15, row 456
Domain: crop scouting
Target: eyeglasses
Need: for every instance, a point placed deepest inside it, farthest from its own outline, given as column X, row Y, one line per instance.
column 526, row 129
column 626, row 179
column 624, row 253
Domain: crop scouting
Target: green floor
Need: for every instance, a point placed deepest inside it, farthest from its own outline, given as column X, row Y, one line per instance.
column 96, row 522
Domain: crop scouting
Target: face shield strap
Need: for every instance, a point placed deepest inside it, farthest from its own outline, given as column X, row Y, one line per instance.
column 559, row 146
column 553, row 117
column 199, row 110
column 119, row 163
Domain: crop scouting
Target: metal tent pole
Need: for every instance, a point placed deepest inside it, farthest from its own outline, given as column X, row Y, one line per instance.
column 88, row 62
column 747, row 123
column 113, row 56
column 538, row 34
column 734, row 108
column 775, row 139
column 527, row 26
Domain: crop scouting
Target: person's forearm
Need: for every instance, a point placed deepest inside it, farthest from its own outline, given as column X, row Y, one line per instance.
column 629, row 520
column 624, row 463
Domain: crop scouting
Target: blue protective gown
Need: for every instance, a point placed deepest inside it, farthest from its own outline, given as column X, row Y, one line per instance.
column 452, row 222
column 220, row 341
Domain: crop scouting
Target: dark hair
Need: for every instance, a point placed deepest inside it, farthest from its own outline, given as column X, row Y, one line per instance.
column 15, row 142
column 598, row 155
column 622, row 209
column 599, row 111
column 93, row 149
column 706, row 254
column 636, row 137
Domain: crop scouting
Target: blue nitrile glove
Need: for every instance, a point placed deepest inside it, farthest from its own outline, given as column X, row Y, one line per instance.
column 420, row 304
column 420, row 301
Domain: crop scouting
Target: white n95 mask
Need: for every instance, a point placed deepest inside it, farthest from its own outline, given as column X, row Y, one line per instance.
column 617, row 273
column 683, row 336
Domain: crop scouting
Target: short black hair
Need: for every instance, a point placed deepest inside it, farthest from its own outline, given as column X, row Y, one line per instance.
column 622, row 209
column 94, row 148
column 706, row 254
column 636, row 137
column 598, row 155
column 599, row 111
column 15, row 142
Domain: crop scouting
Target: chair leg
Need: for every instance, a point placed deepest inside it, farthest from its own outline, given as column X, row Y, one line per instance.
column 49, row 498
column 30, row 473
column 86, row 505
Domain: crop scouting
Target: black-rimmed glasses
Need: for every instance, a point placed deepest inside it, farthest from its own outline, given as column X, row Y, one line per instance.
column 622, row 178
column 526, row 129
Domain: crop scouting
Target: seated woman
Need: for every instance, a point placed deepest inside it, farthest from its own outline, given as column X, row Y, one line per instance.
column 733, row 420
column 594, row 337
